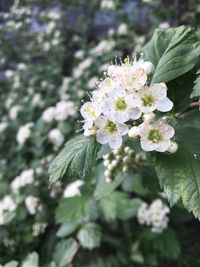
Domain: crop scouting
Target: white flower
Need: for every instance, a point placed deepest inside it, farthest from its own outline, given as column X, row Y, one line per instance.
column 156, row 136
column 26, row 177
column 37, row 100
column 154, row 215
column 64, row 109
column 110, row 132
column 48, row 114
column 122, row 29
column 21, row 66
column 24, row 133
column 85, row 64
column 118, row 109
column 130, row 76
column 79, row 54
column 13, row 112
column 3, row 126
column 9, row 74
column 107, row 4
column 103, row 47
column 154, row 97
column 164, row 25
column 73, row 189
column 31, row 203
column 90, row 111
column 56, row 138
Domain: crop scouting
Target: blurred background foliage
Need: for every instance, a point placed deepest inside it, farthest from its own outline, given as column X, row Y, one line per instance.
column 51, row 54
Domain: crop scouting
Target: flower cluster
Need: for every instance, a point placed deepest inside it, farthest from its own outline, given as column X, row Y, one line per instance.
column 121, row 99
column 154, row 215
column 122, row 159
column 26, row 177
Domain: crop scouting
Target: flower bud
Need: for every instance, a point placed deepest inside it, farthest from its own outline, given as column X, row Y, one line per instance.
column 108, row 180
column 125, row 168
column 89, row 132
column 173, row 148
column 133, row 132
column 114, row 163
column 107, row 173
column 149, row 117
column 148, row 67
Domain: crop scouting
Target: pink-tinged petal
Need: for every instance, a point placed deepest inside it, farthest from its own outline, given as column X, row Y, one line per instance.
column 102, row 137
column 148, row 145
column 122, row 128
column 167, row 131
column 144, row 129
column 159, row 90
column 135, row 113
column 115, row 141
column 165, row 105
column 163, row 146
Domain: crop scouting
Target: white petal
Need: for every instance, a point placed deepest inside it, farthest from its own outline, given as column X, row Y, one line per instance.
column 122, row 128
column 163, row 146
column 148, row 145
column 115, row 141
column 159, row 90
column 132, row 100
column 135, row 114
column 165, row 105
column 100, row 122
column 121, row 116
column 102, row 137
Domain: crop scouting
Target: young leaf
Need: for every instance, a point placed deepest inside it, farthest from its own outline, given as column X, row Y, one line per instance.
column 11, row 264
column 179, row 174
column 196, row 89
column 64, row 252
column 89, row 236
column 173, row 52
column 74, row 209
column 75, row 160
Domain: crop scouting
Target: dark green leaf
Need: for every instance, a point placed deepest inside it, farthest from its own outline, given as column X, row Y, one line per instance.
column 74, row 209
column 75, row 160
column 173, row 52
column 196, row 89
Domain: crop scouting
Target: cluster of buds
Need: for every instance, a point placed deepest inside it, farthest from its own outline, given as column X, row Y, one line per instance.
column 38, row 228
column 121, row 159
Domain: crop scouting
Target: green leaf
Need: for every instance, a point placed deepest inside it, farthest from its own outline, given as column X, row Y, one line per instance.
column 31, row 261
column 104, row 189
column 75, row 160
column 179, row 174
column 119, row 205
column 65, row 252
column 67, row 229
column 169, row 245
column 180, row 89
column 74, row 209
column 89, row 236
column 173, row 52
column 196, row 89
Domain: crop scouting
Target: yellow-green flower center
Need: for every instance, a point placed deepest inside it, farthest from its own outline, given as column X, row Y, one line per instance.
column 110, row 127
column 148, row 100
column 90, row 112
column 155, row 136
column 120, row 104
